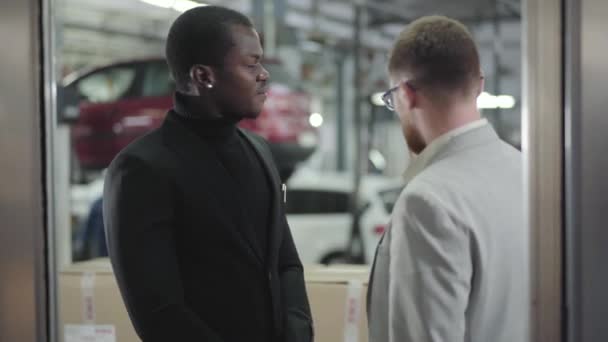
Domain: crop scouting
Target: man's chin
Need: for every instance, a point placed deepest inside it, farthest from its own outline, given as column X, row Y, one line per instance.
column 257, row 110
column 251, row 115
column 417, row 150
column 415, row 143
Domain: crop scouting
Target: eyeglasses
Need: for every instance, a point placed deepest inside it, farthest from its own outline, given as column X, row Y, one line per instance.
column 387, row 97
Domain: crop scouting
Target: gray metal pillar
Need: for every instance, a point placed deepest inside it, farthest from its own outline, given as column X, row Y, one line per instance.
column 266, row 16
column 356, row 242
column 542, row 143
column 270, row 29
column 586, row 167
column 340, row 115
column 23, row 268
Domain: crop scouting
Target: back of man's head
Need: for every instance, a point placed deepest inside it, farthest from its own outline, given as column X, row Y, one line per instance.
column 201, row 35
column 439, row 57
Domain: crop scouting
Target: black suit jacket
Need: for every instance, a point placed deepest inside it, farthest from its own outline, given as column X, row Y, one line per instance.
column 186, row 261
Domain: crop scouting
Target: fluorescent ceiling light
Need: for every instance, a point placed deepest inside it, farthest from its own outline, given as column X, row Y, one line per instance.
column 489, row 101
column 316, row 120
column 178, row 5
column 184, row 5
column 505, row 101
column 377, row 99
column 160, row 3
column 377, row 159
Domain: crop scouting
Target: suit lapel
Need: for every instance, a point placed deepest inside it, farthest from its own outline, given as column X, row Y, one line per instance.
column 217, row 187
column 274, row 233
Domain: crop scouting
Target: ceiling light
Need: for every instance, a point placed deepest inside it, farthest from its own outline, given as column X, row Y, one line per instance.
column 178, row 5
column 377, row 99
column 489, row 101
column 160, row 3
column 377, row 159
column 316, row 120
column 184, row 5
column 505, row 101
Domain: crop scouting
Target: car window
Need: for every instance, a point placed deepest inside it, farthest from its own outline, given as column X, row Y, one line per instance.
column 389, row 198
column 157, row 80
column 108, row 85
column 316, row 202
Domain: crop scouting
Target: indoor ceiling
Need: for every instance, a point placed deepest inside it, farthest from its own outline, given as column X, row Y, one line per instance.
column 98, row 31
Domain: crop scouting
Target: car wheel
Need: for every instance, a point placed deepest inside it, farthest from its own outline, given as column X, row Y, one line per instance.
column 335, row 258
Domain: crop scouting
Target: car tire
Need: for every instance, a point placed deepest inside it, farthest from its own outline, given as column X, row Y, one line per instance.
column 338, row 257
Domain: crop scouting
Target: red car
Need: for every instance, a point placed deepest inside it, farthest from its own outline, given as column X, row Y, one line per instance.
column 115, row 104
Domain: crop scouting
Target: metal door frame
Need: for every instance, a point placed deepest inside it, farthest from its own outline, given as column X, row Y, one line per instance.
column 542, row 137
column 23, row 248
column 26, row 141
column 586, row 166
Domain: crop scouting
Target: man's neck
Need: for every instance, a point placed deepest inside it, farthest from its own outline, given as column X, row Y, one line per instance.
column 196, row 107
column 440, row 123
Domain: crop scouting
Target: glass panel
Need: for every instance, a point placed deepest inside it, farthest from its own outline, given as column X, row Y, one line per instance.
column 115, row 87
column 107, row 86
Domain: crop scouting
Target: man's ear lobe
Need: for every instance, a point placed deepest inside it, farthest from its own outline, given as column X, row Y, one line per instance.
column 202, row 75
column 482, row 83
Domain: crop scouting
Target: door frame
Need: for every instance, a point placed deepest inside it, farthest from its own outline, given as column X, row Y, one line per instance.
column 23, row 177
column 542, row 146
column 27, row 240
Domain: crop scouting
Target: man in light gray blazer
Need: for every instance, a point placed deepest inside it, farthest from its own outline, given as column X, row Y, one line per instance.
column 452, row 266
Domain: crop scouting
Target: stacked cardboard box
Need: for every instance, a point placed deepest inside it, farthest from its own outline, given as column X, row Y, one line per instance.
column 337, row 297
column 91, row 308
column 90, row 305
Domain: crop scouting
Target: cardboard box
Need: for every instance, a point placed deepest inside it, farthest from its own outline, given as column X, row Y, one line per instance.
column 91, row 308
column 337, row 296
column 90, row 305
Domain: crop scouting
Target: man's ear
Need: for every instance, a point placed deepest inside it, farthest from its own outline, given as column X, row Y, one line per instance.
column 482, row 83
column 409, row 93
column 202, row 76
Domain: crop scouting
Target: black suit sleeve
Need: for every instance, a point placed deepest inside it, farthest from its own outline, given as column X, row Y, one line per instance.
column 299, row 325
column 138, row 208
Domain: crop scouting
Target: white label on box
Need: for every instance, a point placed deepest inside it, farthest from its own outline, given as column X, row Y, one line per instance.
column 87, row 288
column 353, row 311
column 89, row 333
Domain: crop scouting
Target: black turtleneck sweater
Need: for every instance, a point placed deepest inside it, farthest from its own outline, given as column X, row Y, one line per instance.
column 237, row 157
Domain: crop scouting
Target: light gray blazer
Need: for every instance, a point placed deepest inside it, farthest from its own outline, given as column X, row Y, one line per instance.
column 453, row 265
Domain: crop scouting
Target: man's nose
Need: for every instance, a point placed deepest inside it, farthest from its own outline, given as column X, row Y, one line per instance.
column 264, row 75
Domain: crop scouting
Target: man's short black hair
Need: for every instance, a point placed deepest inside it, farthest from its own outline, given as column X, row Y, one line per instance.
column 200, row 36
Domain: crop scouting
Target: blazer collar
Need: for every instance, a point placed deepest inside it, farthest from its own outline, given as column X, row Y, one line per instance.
column 201, row 163
column 476, row 133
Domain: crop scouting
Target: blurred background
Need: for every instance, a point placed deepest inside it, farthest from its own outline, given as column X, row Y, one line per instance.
column 339, row 150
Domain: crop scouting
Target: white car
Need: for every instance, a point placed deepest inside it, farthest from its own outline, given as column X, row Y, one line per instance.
column 319, row 216
column 317, row 211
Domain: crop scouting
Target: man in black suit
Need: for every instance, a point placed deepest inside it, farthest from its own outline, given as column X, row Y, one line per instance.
column 194, row 213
